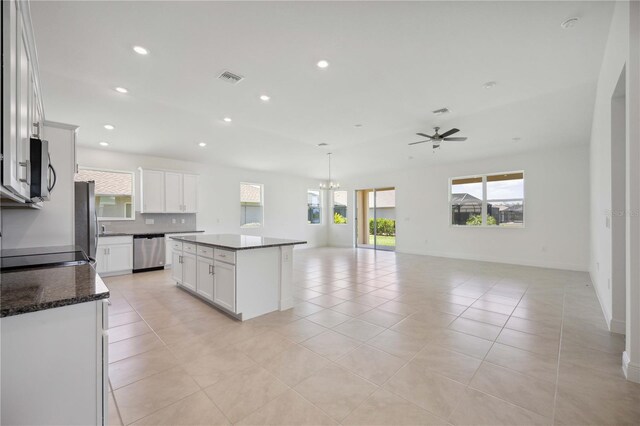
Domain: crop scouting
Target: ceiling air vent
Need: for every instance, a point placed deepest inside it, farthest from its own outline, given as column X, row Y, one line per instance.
column 230, row 77
column 442, row 111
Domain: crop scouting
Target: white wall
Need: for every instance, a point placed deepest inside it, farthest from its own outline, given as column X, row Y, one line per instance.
column 622, row 52
column 53, row 224
column 285, row 197
column 556, row 232
column 613, row 63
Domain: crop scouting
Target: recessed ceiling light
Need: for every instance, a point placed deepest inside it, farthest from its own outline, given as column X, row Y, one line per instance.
column 264, row 98
column 121, row 90
column 322, row 64
column 227, row 120
column 516, row 139
column 489, row 85
column 104, row 143
column 140, row 50
column 569, row 23
column 202, row 144
column 357, row 125
column 323, row 144
column 109, row 126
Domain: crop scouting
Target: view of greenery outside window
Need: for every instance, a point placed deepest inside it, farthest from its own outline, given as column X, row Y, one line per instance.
column 466, row 201
column 113, row 192
column 505, row 199
column 313, row 206
column 340, row 207
column 489, row 200
column 251, row 205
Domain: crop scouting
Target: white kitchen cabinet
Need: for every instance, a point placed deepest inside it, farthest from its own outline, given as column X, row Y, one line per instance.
column 205, row 278
column 189, row 271
column 54, row 366
column 164, row 191
column 173, row 192
column 22, row 110
column 151, row 191
column 176, row 268
column 224, row 287
column 114, row 255
column 189, row 193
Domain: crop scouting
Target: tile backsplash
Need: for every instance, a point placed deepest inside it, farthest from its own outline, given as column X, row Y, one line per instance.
column 162, row 222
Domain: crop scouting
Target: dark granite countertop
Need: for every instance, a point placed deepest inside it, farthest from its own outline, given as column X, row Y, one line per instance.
column 125, row 234
column 237, row 242
column 34, row 290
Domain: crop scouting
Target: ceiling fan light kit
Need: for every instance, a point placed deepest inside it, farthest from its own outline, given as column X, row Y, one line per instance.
column 437, row 138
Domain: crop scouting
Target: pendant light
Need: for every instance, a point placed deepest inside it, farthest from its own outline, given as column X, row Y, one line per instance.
column 331, row 185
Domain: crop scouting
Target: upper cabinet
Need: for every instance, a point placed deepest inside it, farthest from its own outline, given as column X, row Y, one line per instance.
column 168, row 192
column 22, row 108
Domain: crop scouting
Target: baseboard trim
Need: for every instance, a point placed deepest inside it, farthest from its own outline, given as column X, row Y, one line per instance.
column 617, row 326
column 477, row 258
column 607, row 316
column 631, row 370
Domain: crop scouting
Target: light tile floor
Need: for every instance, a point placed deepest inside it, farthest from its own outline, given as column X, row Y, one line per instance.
column 375, row 338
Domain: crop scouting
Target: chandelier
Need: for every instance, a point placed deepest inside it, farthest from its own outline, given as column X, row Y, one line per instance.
column 331, row 184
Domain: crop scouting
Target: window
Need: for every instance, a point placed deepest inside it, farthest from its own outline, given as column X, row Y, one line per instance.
column 340, row 207
column 489, row 200
column 113, row 192
column 313, row 206
column 251, row 205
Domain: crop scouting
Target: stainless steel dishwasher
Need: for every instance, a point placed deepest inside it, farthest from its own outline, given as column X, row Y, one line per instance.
column 148, row 252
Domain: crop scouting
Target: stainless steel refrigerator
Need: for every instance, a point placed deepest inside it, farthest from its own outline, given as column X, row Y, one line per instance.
column 86, row 218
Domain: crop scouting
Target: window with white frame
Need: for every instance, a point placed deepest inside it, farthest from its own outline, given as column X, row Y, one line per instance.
column 340, row 207
column 251, row 205
column 113, row 192
column 314, row 210
column 488, row 200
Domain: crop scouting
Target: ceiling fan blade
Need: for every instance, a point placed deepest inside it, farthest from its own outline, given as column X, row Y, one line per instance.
column 449, row 133
column 416, row 143
column 424, row 136
column 455, row 139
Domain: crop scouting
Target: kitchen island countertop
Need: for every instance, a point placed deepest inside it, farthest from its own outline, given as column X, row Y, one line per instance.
column 237, row 241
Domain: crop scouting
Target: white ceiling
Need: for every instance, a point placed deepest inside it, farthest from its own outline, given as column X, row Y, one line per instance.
column 392, row 63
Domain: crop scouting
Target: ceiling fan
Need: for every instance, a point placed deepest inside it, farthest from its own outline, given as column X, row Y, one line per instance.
column 436, row 139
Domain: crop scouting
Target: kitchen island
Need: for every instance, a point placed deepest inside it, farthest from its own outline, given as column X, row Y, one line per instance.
column 246, row 276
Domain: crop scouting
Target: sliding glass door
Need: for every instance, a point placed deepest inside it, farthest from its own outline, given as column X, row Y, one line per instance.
column 376, row 218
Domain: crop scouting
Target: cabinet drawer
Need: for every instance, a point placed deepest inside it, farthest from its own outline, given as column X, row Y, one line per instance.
column 225, row 255
column 105, row 241
column 189, row 248
column 176, row 245
column 205, row 251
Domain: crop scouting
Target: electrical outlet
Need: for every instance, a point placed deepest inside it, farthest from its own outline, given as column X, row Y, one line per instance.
column 148, row 221
column 285, row 257
column 181, row 220
column 173, row 220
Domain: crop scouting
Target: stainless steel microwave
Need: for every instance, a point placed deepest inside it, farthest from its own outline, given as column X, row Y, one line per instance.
column 42, row 174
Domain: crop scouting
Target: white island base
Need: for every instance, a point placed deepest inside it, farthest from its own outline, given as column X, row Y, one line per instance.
column 243, row 282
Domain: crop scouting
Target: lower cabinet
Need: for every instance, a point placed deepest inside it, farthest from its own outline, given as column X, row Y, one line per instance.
column 205, row 279
column 114, row 255
column 212, row 280
column 224, row 288
column 189, row 271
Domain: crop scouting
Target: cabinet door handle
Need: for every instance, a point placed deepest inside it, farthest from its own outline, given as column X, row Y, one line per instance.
column 27, row 166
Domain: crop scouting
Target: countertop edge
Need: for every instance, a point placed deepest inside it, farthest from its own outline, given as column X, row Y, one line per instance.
column 50, row 305
column 237, row 248
column 127, row 234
